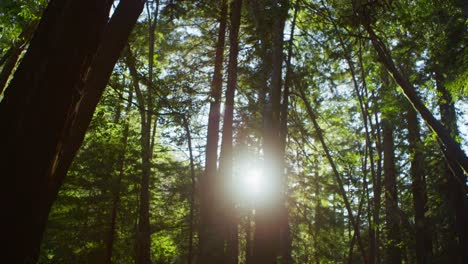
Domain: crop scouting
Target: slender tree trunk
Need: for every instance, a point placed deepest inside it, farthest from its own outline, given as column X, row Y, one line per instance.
column 144, row 228
column 354, row 223
column 226, row 157
column 211, row 244
column 33, row 131
column 14, row 53
column 423, row 233
column 392, row 218
column 192, row 195
column 286, row 239
column 248, row 239
column 116, row 194
column 376, row 132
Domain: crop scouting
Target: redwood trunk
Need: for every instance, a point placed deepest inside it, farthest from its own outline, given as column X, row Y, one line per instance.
column 456, row 179
column 211, row 244
column 36, row 113
column 226, row 158
column 392, row 219
column 422, row 226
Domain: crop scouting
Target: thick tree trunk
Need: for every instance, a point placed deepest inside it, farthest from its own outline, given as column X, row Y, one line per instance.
column 392, row 218
column 210, row 242
column 422, row 225
column 268, row 213
column 36, row 113
column 226, row 156
column 456, row 179
column 114, row 40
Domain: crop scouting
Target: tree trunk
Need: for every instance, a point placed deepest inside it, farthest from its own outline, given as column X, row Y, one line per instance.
column 286, row 239
column 422, row 226
column 226, row 156
column 267, row 224
column 354, row 223
column 456, row 179
column 114, row 41
column 211, row 246
column 116, row 194
column 146, row 112
column 192, row 195
column 449, row 146
column 14, row 53
column 392, row 218
column 36, row 114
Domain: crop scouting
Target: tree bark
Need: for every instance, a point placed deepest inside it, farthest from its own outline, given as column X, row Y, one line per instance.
column 211, row 246
column 392, row 219
column 36, row 115
column 226, row 156
column 114, row 41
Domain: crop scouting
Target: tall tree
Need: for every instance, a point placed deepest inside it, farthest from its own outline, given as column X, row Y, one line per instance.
column 53, row 70
column 226, row 156
column 211, row 246
column 392, row 215
column 118, row 182
column 422, row 224
column 267, row 225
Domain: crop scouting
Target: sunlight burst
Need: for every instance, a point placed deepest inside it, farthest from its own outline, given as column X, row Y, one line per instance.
column 252, row 181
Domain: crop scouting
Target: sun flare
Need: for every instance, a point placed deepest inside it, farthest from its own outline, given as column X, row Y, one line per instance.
column 252, row 181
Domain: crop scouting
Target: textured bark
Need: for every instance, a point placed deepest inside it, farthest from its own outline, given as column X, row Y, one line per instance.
column 211, row 243
column 226, row 156
column 392, row 219
column 114, row 40
column 36, row 114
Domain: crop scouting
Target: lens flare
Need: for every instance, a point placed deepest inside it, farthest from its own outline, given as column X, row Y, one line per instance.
column 252, row 182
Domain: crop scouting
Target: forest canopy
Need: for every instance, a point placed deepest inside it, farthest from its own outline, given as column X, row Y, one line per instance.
column 234, row 131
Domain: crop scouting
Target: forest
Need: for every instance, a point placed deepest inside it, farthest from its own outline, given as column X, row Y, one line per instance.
column 234, row 131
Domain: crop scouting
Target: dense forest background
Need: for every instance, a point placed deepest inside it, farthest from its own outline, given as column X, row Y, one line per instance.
column 234, row 131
